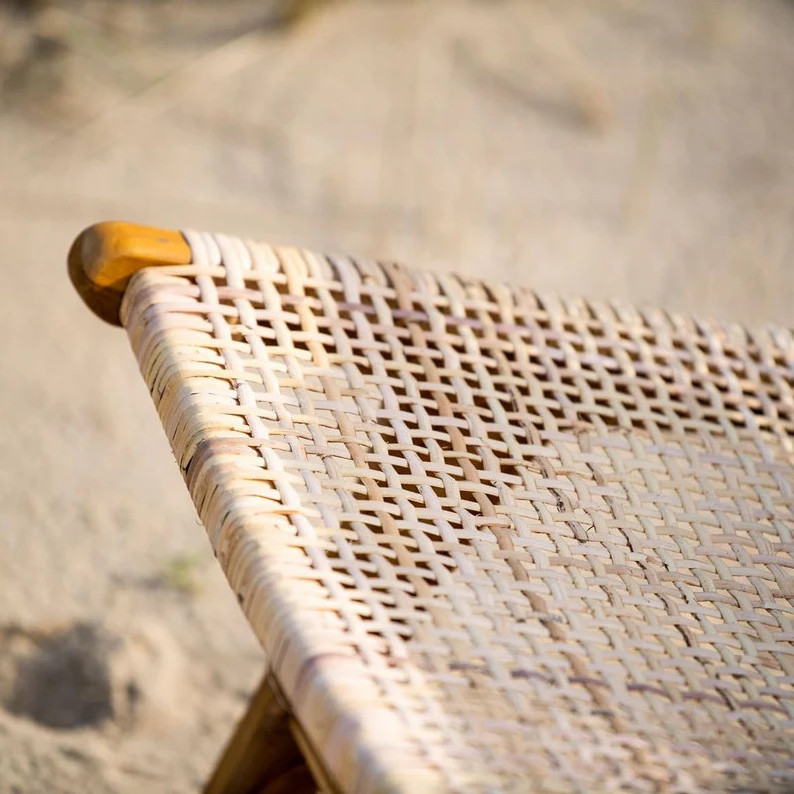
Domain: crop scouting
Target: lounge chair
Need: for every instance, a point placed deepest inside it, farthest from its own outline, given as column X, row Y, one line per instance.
column 490, row 541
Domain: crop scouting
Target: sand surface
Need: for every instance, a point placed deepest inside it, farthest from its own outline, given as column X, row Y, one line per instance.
column 639, row 151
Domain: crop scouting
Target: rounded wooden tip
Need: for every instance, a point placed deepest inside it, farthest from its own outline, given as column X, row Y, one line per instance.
column 104, row 256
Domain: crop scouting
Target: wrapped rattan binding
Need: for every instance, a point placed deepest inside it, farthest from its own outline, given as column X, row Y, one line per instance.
column 489, row 540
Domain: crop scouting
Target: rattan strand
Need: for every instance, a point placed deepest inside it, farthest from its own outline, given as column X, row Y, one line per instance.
column 490, row 541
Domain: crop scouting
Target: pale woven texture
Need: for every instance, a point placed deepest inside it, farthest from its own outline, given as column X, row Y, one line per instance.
column 490, row 541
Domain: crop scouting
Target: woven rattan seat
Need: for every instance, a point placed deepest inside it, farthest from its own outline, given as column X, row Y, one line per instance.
column 489, row 540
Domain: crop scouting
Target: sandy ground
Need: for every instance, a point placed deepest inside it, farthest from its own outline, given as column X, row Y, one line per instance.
column 628, row 150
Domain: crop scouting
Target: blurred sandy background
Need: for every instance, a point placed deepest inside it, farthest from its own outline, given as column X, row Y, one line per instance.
column 642, row 151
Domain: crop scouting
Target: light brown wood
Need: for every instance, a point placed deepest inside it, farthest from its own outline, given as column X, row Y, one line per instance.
column 324, row 784
column 104, row 257
column 262, row 756
column 299, row 779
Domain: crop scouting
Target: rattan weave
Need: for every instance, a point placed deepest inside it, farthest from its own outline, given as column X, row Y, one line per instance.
column 490, row 541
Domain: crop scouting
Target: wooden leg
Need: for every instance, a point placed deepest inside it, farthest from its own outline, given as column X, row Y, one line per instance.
column 262, row 756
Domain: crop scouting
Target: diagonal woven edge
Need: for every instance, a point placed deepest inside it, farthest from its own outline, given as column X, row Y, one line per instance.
column 366, row 747
column 212, row 461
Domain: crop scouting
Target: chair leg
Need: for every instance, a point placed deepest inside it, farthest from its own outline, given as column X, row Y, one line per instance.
column 262, row 757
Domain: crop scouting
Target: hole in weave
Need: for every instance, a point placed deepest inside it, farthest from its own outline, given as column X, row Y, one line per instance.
column 680, row 344
column 298, row 337
column 648, row 388
column 574, row 340
column 556, row 411
column 480, row 402
column 779, row 360
column 551, row 341
column 389, row 297
column 412, row 492
column 444, row 443
column 665, row 373
column 621, row 387
column 633, row 353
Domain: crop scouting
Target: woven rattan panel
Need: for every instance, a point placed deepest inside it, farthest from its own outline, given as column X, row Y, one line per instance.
column 490, row 541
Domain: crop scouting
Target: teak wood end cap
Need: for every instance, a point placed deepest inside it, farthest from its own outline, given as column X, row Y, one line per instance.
column 104, row 256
